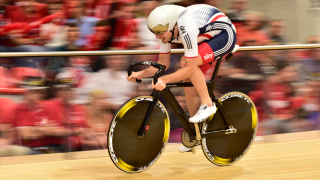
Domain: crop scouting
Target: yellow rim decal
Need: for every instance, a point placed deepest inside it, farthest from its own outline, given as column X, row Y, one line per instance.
column 127, row 107
column 124, row 165
column 166, row 130
column 254, row 117
column 221, row 160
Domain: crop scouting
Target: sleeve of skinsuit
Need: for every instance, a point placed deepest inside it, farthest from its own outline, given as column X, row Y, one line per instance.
column 188, row 31
column 164, row 48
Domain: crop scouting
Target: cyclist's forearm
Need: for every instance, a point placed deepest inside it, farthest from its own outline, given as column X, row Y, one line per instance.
column 164, row 59
column 149, row 72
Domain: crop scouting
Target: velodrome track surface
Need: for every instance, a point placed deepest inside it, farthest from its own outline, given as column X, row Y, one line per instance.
column 299, row 159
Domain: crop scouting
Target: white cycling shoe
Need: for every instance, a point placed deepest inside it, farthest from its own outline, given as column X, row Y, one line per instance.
column 203, row 113
column 184, row 149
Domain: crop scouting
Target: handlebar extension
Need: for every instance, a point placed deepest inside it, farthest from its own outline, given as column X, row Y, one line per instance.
column 159, row 73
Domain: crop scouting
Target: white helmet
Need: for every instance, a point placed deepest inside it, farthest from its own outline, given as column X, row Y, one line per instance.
column 164, row 18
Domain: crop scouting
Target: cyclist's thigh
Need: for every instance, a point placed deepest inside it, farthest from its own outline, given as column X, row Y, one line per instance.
column 183, row 61
column 218, row 46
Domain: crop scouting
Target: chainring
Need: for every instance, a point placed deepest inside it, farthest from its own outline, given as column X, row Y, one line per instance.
column 186, row 140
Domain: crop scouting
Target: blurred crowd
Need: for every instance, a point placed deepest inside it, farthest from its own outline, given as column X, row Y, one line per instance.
column 68, row 103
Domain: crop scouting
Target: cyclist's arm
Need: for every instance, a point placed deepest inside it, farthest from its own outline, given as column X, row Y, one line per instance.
column 164, row 59
column 188, row 31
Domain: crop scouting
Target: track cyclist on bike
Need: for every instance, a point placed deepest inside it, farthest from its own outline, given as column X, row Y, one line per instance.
column 207, row 34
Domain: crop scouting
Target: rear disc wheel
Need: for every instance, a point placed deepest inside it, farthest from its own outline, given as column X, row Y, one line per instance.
column 240, row 112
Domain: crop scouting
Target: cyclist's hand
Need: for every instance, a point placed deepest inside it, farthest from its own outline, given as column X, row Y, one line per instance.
column 134, row 76
column 161, row 84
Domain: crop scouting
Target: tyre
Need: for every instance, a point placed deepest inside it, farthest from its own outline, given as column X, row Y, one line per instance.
column 225, row 149
column 127, row 150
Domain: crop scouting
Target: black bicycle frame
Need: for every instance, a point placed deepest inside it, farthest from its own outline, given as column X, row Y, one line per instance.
column 177, row 109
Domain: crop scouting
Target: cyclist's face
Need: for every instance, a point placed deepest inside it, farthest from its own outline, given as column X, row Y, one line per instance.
column 165, row 37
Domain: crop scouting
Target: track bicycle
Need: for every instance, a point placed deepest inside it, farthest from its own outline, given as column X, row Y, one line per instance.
column 140, row 129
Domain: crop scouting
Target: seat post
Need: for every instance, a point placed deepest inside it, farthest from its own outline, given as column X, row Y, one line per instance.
column 211, row 84
column 216, row 69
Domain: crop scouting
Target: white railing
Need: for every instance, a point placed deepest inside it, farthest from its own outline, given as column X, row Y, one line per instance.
column 133, row 52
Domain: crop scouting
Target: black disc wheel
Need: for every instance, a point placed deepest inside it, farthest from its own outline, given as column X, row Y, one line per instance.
column 240, row 112
column 128, row 151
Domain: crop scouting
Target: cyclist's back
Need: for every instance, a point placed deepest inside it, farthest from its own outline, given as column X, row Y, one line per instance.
column 204, row 16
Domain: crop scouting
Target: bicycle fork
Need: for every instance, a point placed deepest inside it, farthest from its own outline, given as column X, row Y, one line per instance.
column 148, row 113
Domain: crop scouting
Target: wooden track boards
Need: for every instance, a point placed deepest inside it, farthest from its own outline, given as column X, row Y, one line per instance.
column 281, row 160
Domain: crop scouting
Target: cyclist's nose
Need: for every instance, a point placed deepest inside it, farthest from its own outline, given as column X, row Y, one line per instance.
column 158, row 36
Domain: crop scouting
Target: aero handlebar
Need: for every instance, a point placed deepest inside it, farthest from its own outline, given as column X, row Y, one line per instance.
column 161, row 68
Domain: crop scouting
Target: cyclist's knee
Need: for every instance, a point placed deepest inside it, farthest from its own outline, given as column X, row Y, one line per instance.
column 186, row 80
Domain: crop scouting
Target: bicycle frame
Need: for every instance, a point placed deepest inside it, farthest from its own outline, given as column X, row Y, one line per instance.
column 177, row 109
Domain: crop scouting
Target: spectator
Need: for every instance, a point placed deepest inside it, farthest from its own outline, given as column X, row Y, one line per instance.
column 56, row 64
column 251, row 29
column 26, row 11
column 24, row 34
column 6, row 120
column 312, row 105
column 54, row 29
column 80, row 72
column 7, row 135
column 104, row 9
column 280, row 99
column 72, row 117
column 90, row 7
column 113, row 80
column 102, row 34
column 124, row 24
column 34, row 122
column 99, row 115
column 146, row 36
column 75, row 14
column 276, row 28
column 237, row 12
column 99, row 37
column 3, row 4
column 311, row 66
column 251, row 62
column 8, row 149
column 134, row 43
column 310, row 40
column 295, row 58
column 73, row 36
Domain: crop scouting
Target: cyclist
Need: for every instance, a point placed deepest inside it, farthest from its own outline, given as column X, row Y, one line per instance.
column 207, row 34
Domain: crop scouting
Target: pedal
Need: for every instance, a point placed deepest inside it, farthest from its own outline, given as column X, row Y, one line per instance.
column 186, row 140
